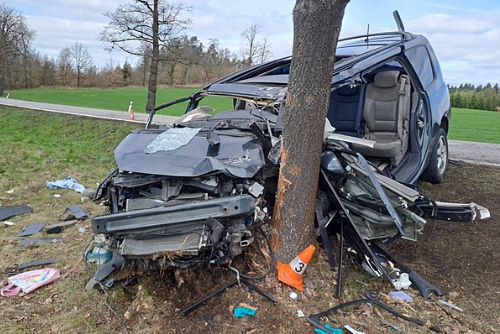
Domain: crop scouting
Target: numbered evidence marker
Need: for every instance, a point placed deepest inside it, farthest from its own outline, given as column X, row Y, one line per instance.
column 291, row 273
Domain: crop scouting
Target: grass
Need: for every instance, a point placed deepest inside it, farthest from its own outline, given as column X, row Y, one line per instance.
column 466, row 124
column 475, row 125
column 117, row 98
column 35, row 147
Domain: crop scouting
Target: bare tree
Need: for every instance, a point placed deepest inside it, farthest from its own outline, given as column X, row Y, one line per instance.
column 15, row 38
column 145, row 22
column 64, row 67
column 81, row 60
column 265, row 50
column 251, row 49
column 316, row 26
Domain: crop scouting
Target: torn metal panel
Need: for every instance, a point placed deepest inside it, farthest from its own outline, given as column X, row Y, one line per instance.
column 460, row 212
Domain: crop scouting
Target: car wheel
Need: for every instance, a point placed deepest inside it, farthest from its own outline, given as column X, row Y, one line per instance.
column 438, row 160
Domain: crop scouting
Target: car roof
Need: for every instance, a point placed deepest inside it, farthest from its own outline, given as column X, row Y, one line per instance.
column 263, row 80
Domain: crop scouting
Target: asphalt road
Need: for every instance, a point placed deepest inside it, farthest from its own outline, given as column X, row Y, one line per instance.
column 86, row 112
column 472, row 152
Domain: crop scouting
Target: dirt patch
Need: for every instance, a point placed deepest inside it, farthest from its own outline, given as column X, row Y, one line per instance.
column 463, row 259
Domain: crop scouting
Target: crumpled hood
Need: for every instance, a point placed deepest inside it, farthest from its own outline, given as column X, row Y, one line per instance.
column 239, row 154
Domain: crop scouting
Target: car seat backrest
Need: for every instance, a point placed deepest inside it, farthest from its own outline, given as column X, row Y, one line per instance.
column 381, row 104
column 346, row 109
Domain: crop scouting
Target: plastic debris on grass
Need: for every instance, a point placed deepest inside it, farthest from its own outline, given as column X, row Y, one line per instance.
column 28, row 281
column 67, row 183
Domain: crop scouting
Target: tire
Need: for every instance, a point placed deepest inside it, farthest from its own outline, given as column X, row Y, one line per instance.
column 438, row 160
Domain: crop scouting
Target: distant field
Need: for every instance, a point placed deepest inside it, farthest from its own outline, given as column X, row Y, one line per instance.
column 475, row 125
column 466, row 124
column 116, row 98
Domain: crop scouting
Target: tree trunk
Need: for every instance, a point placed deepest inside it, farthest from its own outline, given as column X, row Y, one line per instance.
column 185, row 75
column 316, row 28
column 25, row 65
column 78, row 78
column 153, row 73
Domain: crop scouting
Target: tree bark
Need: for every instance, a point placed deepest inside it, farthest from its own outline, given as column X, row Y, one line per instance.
column 153, row 72
column 316, row 28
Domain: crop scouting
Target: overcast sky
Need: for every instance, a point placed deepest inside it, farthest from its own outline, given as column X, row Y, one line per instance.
column 464, row 34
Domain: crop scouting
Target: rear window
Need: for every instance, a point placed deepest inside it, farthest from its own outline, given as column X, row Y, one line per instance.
column 419, row 58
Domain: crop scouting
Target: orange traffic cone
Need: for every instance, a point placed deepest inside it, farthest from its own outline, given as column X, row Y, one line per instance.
column 131, row 112
column 291, row 273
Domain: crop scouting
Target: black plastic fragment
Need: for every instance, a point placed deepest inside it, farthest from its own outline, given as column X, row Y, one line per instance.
column 26, row 265
column 36, row 241
column 31, row 229
column 58, row 227
column 75, row 212
column 11, row 211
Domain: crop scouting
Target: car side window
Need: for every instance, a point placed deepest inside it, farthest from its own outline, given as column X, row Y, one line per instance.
column 419, row 58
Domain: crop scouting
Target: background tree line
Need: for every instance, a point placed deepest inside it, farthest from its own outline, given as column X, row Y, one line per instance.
column 475, row 97
column 184, row 60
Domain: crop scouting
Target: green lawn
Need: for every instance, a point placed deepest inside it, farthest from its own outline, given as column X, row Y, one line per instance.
column 475, row 125
column 466, row 124
column 44, row 144
column 116, row 98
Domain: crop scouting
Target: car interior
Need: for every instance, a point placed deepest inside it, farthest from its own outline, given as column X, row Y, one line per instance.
column 377, row 110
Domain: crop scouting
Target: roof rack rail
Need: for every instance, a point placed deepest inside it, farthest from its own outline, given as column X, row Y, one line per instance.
column 403, row 34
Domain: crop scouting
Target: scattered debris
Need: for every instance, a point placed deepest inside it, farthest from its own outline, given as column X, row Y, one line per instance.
column 391, row 326
column 291, row 273
column 10, row 191
column 58, row 227
column 402, row 282
column 208, row 319
column 67, row 183
column 88, row 194
column 36, row 241
column 11, row 211
column 293, row 295
column 81, row 229
column 240, row 279
column 300, row 314
column 352, row 330
column 8, row 223
column 31, row 229
column 400, row 296
column 98, row 255
column 28, row 281
column 26, row 265
column 57, row 195
column 75, row 212
column 453, row 306
column 330, row 330
column 240, row 312
column 370, row 298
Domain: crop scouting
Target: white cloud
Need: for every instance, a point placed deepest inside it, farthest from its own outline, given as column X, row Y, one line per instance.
column 467, row 45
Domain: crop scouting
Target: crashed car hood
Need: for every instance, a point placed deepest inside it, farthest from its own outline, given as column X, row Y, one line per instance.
column 238, row 154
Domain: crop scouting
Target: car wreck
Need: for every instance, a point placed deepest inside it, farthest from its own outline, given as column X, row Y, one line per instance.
column 200, row 190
